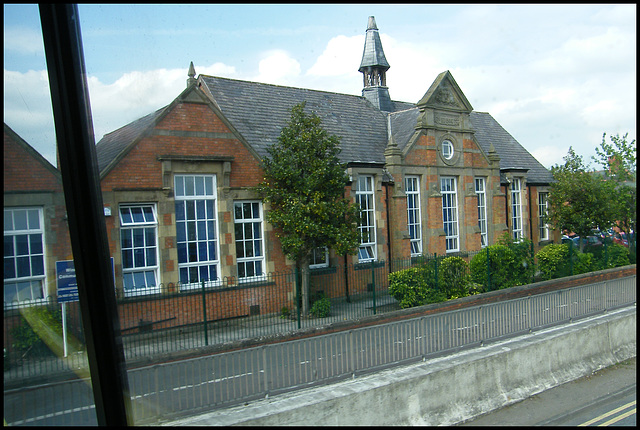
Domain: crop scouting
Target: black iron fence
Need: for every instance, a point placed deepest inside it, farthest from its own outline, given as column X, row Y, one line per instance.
column 36, row 341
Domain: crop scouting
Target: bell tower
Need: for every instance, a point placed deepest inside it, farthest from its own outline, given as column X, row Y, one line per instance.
column 374, row 67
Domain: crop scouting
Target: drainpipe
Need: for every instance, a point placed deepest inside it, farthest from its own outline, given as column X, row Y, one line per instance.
column 388, row 224
column 530, row 214
column 506, row 206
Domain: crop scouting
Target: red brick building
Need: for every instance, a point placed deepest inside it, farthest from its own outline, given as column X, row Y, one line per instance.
column 432, row 177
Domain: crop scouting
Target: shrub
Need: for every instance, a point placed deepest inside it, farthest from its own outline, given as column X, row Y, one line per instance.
column 415, row 286
column 285, row 312
column 584, row 263
column 524, row 267
column 502, row 264
column 553, row 261
column 618, row 255
column 321, row 308
column 613, row 255
column 454, row 277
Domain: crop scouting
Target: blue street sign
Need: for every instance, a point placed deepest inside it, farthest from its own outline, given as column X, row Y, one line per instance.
column 66, row 281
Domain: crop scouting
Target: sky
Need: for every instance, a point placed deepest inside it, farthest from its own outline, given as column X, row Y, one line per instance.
column 553, row 76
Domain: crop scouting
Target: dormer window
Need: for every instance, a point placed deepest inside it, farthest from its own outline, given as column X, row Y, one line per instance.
column 447, row 149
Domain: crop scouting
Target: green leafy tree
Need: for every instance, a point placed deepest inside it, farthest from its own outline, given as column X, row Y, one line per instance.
column 579, row 200
column 618, row 158
column 304, row 182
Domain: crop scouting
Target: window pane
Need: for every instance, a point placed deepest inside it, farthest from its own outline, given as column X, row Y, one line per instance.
column 138, row 280
column 180, row 210
column 208, row 185
column 148, row 214
column 35, row 241
column 193, row 252
column 200, row 209
column 24, row 268
column 179, row 189
column 138, row 257
column 184, row 275
column 138, row 237
column 150, row 236
column 182, row 252
column 199, row 185
column 202, row 251
column 181, row 235
column 189, row 187
column 211, row 231
column 22, row 244
column 8, row 220
column 191, row 210
column 191, row 231
column 137, row 215
column 9, row 269
column 127, row 259
column 151, row 278
column 34, row 219
column 8, row 246
column 20, row 219
column 37, row 265
column 151, row 257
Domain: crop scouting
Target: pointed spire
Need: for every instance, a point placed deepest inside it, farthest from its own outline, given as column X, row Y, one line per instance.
column 373, row 67
column 373, row 54
column 192, row 75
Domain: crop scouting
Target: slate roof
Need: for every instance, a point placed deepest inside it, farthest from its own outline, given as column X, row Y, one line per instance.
column 259, row 111
column 512, row 154
column 113, row 145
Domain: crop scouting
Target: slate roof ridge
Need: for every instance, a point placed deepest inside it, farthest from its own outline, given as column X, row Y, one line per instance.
column 280, row 86
column 304, row 89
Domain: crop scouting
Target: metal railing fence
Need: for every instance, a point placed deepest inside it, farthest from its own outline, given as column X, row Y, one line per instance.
column 168, row 391
column 179, row 319
column 253, row 373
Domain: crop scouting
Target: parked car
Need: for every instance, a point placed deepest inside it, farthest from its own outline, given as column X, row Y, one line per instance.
column 594, row 241
column 574, row 239
column 621, row 239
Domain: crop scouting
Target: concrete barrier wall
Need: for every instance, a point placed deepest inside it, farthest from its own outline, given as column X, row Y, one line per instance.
column 450, row 389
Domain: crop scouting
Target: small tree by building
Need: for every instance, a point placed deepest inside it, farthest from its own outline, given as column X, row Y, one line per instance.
column 618, row 158
column 580, row 201
column 304, row 182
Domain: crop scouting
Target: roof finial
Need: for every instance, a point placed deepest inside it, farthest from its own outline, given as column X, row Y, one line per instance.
column 192, row 75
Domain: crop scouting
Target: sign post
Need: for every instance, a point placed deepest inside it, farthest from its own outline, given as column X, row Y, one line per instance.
column 67, row 292
column 67, row 287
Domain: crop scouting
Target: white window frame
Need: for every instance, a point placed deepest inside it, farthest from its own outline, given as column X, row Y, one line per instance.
column 447, row 149
column 197, row 231
column 516, row 209
column 319, row 258
column 414, row 216
column 449, row 192
column 481, row 192
column 144, row 269
column 542, row 212
column 367, row 227
column 33, row 283
column 250, row 268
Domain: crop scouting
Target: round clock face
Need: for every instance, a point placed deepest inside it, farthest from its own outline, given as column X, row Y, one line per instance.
column 447, row 149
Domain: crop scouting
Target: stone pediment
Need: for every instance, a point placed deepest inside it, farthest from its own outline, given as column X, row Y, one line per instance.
column 445, row 94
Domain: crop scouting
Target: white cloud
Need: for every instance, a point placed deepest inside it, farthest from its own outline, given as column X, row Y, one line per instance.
column 23, row 40
column 341, row 57
column 278, row 67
